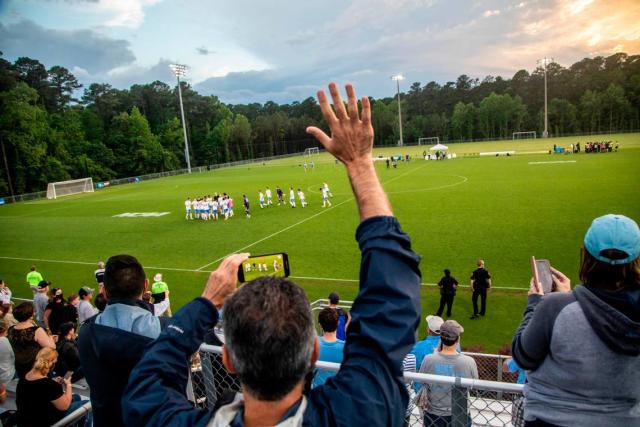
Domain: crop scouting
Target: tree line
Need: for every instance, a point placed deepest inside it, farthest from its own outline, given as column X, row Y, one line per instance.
column 47, row 134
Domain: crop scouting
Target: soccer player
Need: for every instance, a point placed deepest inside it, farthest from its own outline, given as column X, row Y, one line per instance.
column 275, row 265
column 301, row 197
column 245, row 202
column 313, row 165
column 261, row 199
column 325, row 197
column 214, row 208
column 204, row 212
column 268, row 194
column 292, row 197
column 187, row 208
column 194, row 207
column 280, row 194
column 230, row 206
column 264, row 267
column 225, row 207
column 305, row 165
column 326, row 187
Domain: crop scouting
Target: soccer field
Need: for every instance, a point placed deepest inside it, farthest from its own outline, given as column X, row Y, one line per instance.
column 501, row 209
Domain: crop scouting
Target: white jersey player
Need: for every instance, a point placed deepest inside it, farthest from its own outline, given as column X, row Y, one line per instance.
column 303, row 203
column 187, row 208
column 275, row 265
column 326, row 187
column 267, row 193
column 325, row 197
column 214, row 209
column 261, row 199
column 292, row 198
column 194, row 207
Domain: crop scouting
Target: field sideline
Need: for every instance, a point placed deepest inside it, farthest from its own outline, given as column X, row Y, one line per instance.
column 502, row 209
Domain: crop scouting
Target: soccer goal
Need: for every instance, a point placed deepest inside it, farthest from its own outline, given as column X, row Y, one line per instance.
column 524, row 135
column 310, row 151
column 429, row 141
column 65, row 188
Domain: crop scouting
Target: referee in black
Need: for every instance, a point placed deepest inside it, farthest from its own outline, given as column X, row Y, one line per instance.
column 448, row 286
column 480, row 283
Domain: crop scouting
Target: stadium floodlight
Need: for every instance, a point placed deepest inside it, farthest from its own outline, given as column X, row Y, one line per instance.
column 397, row 78
column 545, row 61
column 180, row 71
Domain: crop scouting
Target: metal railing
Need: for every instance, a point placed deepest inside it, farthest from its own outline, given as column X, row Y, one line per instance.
column 75, row 416
column 465, row 401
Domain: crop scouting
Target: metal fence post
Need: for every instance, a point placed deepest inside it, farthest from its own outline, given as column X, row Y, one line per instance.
column 499, row 374
column 207, row 373
column 459, row 405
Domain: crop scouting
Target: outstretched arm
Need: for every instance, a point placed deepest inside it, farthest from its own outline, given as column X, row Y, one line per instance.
column 386, row 310
column 155, row 395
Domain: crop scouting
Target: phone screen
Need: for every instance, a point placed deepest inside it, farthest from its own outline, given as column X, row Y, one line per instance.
column 264, row 265
column 68, row 375
column 542, row 273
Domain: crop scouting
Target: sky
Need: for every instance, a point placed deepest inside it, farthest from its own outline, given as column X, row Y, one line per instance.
column 247, row 51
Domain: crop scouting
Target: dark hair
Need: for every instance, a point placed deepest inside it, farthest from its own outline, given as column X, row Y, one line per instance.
column 447, row 272
column 124, row 277
column 4, row 309
column 100, row 301
column 334, row 298
column 72, row 297
column 270, row 337
column 65, row 328
column 448, row 342
column 328, row 319
column 23, row 312
column 608, row 276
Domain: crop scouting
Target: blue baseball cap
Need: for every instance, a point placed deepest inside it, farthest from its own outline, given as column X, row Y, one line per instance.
column 616, row 232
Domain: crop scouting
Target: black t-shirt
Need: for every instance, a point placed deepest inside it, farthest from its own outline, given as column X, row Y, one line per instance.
column 480, row 279
column 100, row 275
column 33, row 401
column 57, row 316
column 447, row 284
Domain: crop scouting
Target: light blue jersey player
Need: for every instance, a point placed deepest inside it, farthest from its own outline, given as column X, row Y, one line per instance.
column 261, row 199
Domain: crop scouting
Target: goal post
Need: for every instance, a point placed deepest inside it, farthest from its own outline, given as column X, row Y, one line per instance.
column 524, row 135
column 65, row 188
column 429, row 141
column 311, row 151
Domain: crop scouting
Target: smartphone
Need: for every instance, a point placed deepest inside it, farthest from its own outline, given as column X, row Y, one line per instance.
column 264, row 265
column 68, row 375
column 541, row 270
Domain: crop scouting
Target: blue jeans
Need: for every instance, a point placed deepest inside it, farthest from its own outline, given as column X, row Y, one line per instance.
column 76, row 402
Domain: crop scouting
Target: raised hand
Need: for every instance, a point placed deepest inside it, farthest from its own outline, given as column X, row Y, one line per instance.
column 351, row 138
column 222, row 282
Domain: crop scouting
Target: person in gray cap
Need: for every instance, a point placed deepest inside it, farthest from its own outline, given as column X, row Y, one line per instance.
column 581, row 347
column 447, row 360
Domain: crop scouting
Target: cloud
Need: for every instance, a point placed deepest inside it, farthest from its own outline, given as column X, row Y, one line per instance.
column 489, row 13
column 124, row 13
column 204, row 51
column 81, row 48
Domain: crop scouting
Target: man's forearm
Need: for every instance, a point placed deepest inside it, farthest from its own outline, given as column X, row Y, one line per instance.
column 370, row 196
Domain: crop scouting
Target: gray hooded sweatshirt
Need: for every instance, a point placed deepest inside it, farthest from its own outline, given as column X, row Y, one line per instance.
column 582, row 350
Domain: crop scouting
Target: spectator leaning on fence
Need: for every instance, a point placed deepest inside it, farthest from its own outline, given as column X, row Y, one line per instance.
column 5, row 293
column 425, row 347
column 85, row 309
column 112, row 342
column 450, row 362
column 269, row 334
column 581, row 347
column 331, row 348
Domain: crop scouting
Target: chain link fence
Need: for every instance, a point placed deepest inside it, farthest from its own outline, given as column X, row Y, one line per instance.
column 435, row 400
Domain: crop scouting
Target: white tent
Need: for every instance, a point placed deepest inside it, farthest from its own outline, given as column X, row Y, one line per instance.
column 439, row 147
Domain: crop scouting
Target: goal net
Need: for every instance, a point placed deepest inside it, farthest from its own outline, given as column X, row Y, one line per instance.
column 429, row 141
column 65, row 188
column 310, row 151
column 524, row 135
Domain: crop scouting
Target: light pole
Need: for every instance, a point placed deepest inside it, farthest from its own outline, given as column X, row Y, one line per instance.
column 397, row 78
column 545, row 61
column 181, row 70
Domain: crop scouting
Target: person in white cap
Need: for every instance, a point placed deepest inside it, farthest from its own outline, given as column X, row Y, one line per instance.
column 160, row 292
column 450, row 362
column 581, row 347
column 425, row 347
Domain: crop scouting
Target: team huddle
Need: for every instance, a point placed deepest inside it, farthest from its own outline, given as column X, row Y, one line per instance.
column 211, row 208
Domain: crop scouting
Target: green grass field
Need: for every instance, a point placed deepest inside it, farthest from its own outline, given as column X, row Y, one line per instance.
column 502, row 209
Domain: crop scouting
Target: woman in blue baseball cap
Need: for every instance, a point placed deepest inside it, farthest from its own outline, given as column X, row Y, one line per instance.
column 581, row 347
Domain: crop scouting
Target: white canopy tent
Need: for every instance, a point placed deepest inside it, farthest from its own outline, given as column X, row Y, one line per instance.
column 439, row 147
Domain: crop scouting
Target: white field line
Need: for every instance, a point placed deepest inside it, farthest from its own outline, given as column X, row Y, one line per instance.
column 321, row 279
column 553, row 162
column 297, row 223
